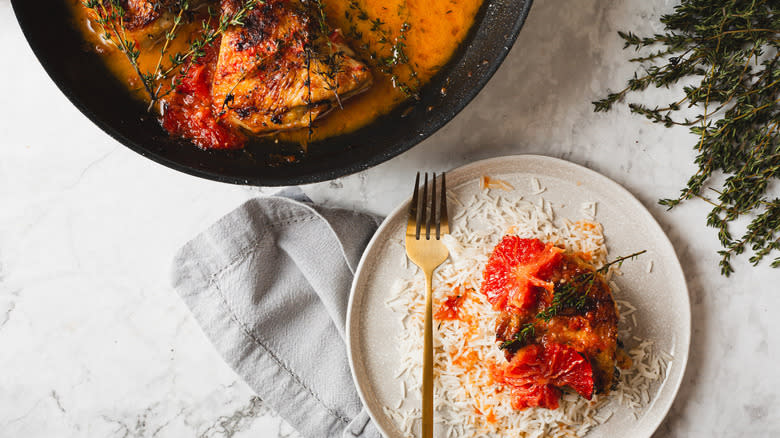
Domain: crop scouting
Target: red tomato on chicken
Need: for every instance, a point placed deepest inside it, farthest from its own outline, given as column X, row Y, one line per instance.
column 189, row 112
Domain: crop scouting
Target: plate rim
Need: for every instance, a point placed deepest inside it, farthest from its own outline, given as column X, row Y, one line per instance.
column 682, row 355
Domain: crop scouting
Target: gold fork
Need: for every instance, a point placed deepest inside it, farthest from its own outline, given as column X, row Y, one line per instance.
column 425, row 249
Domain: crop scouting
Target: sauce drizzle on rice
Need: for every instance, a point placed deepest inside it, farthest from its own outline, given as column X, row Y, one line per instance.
column 470, row 401
column 450, row 308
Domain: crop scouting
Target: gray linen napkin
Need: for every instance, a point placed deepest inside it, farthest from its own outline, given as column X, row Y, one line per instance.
column 269, row 284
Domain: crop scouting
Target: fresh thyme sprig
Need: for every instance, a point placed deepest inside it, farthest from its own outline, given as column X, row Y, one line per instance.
column 333, row 59
column 731, row 51
column 170, row 35
column 570, row 295
column 574, row 293
column 209, row 34
column 526, row 333
column 399, row 52
column 110, row 17
column 619, row 261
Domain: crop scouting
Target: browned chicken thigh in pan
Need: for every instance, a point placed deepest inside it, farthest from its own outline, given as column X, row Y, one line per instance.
column 277, row 70
column 280, row 72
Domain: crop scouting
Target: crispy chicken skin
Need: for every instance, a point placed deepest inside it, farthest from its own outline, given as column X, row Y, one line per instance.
column 145, row 21
column 142, row 13
column 264, row 69
column 592, row 331
column 138, row 14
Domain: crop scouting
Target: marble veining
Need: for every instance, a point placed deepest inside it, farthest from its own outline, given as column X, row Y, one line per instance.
column 94, row 341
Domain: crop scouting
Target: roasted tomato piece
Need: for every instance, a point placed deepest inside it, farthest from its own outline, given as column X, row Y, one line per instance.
column 189, row 112
column 516, row 267
column 536, row 373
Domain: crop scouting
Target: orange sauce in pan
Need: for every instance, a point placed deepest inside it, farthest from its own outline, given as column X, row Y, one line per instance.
column 436, row 29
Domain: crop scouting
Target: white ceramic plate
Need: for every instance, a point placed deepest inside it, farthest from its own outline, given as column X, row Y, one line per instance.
column 661, row 296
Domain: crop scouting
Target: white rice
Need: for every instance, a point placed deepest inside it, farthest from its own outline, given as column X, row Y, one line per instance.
column 589, row 210
column 536, row 186
column 467, row 404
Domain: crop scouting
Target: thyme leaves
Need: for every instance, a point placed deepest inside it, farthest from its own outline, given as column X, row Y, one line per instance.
column 388, row 52
column 729, row 53
column 110, row 16
column 619, row 261
column 523, row 336
column 111, row 20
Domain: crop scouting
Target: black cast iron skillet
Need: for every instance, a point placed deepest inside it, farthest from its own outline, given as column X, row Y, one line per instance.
column 81, row 75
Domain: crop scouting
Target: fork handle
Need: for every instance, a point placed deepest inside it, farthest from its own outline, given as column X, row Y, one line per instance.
column 427, row 378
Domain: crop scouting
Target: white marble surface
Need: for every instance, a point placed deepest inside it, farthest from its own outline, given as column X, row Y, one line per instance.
column 94, row 342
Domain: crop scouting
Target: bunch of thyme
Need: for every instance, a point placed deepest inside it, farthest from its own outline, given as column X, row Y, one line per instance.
column 731, row 51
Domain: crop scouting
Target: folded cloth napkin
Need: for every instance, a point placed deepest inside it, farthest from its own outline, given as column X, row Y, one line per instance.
column 269, row 284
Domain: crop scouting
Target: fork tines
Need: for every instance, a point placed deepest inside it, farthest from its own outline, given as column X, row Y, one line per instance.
column 424, row 213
